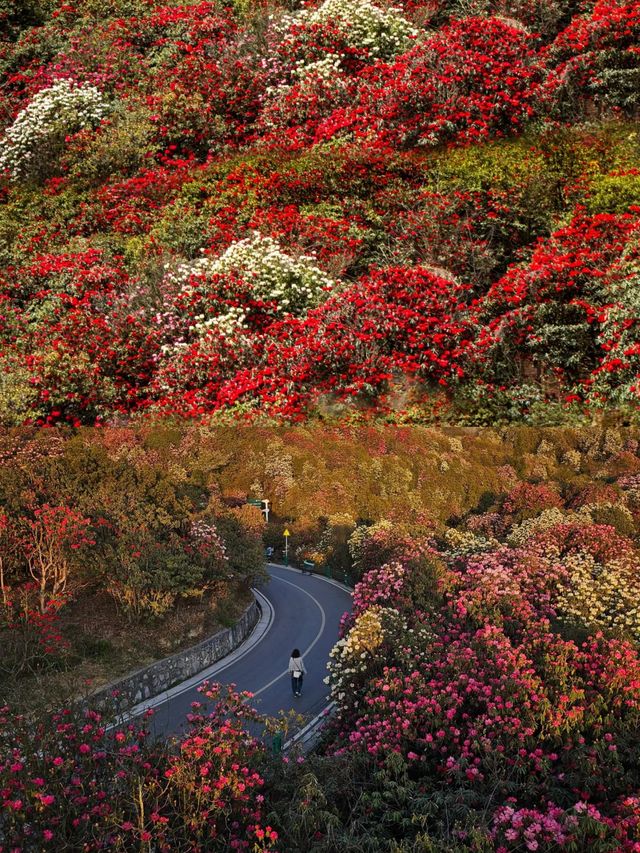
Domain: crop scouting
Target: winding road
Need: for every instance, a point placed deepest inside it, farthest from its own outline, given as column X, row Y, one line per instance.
column 298, row 610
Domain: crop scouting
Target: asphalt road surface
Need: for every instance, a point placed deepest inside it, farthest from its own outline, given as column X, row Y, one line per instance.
column 299, row 611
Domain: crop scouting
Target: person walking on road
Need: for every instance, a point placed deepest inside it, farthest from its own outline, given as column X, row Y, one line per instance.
column 297, row 671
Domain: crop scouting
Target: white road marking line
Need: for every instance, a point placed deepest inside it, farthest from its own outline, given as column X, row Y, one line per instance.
column 214, row 669
column 308, row 649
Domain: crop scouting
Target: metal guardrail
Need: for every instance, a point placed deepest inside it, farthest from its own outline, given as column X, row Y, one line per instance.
column 308, row 737
column 327, row 571
column 338, row 575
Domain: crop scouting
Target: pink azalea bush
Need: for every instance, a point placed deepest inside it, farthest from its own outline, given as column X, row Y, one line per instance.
column 486, row 697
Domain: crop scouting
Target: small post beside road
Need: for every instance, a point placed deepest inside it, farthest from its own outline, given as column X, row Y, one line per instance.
column 276, row 743
column 286, row 535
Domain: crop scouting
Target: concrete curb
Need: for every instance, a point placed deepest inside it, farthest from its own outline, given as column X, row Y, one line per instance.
column 160, row 676
column 308, row 736
column 260, row 629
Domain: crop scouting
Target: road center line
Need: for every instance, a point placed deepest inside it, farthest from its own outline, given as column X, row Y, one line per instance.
column 315, row 640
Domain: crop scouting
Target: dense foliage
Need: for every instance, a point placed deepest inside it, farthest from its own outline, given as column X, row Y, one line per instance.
column 288, row 209
column 487, row 682
column 428, row 212
column 116, row 519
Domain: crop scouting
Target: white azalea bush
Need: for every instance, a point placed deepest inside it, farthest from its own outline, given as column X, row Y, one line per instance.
column 315, row 89
column 290, row 285
column 361, row 654
column 352, row 656
column 382, row 31
column 318, row 50
column 37, row 136
column 602, row 594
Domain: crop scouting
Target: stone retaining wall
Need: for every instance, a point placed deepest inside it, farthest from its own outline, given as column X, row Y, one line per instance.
column 163, row 674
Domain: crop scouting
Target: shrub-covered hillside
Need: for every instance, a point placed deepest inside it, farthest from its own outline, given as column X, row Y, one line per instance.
column 114, row 550
column 486, row 683
column 257, row 209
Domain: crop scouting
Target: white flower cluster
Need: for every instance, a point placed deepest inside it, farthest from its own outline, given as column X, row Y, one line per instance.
column 381, row 31
column 295, row 284
column 603, row 595
column 326, row 70
column 351, row 656
column 232, row 319
column 546, row 519
column 41, row 128
column 462, row 543
column 320, row 84
column 357, row 656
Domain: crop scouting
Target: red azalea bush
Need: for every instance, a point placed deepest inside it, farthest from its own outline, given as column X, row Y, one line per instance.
column 596, row 59
column 76, row 781
column 474, row 78
column 395, row 320
column 84, row 343
column 529, row 499
column 31, row 640
column 317, row 128
column 553, row 308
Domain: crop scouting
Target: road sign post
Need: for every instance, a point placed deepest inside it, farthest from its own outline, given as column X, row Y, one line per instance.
column 286, row 535
column 262, row 504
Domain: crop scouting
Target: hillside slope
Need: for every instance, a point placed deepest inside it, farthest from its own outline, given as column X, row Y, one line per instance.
column 266, row 210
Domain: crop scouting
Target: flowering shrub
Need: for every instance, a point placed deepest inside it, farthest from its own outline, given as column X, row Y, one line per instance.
column 40, row 130
column 212, row 800
column 546, row 829
column 317, row 89
column 275, row 280
column 404, row 152
column 84, row 343
column 615, row 379
column 67, row 781
column 597, row 58
column 493, row 710
column 75, row 781
column 31, row 640
column 378, row 32
column 204, row 537
column 556, row 303
column 448, row 87
column 377, row 585
column 527, row 500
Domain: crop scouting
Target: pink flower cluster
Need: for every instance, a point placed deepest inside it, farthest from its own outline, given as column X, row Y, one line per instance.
column 484, row 695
